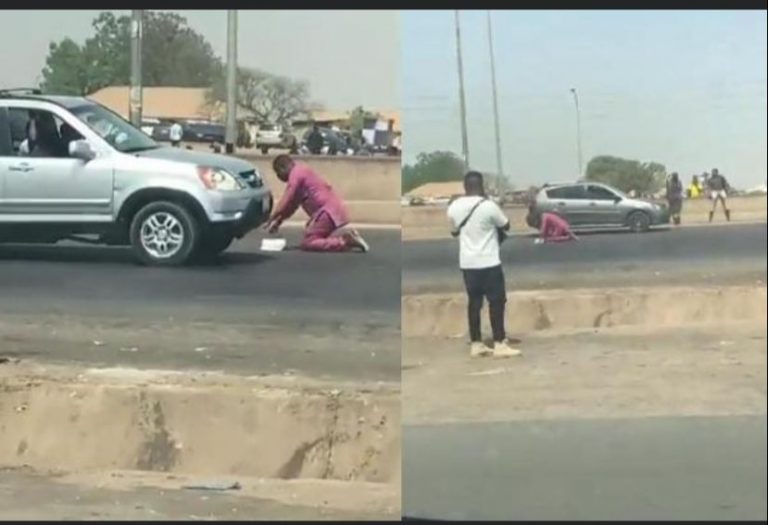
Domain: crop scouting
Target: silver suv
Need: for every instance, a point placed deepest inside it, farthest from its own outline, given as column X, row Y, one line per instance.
column 592, row 204
column 72, row 169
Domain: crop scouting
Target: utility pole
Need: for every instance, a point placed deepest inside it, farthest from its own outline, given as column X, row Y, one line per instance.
column 499, row 168
column 137, row 16
column 463, row 107
column 231, row 131
column 578, row 131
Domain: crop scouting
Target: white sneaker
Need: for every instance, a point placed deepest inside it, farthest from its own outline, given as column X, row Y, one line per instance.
column 538, row 240
column 479, row 350
column 504, row 350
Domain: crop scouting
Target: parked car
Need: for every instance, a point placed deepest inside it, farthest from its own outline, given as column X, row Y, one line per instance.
column 273, row 136
column 161, row 131
column 334, row 142
column 103, row 178
column 596, row 205
column 205, row 132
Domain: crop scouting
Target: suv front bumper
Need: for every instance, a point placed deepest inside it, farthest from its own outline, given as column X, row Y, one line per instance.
column 244, row 215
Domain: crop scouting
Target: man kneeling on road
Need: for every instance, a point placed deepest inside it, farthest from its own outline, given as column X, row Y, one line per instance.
column 326, row 211
column 476, row 222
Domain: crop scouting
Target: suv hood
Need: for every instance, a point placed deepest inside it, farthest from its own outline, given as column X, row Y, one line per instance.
column 214, row 160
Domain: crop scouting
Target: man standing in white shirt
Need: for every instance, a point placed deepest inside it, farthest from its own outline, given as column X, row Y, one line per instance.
column 477, row 222
column 175, row 134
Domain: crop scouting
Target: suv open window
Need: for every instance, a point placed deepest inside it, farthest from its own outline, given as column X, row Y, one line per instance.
column 567, row 192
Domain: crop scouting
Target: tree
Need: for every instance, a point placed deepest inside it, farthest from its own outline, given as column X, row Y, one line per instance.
column 357, row 118
column 173, row 54
column 437, row 166
column 270, row 99
column 644, row 178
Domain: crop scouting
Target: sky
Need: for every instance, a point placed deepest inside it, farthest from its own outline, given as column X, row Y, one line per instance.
column 350, row 58
column 684, row 88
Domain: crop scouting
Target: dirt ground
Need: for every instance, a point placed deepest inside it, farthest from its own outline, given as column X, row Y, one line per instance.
column 30, row 495
column 714, row 369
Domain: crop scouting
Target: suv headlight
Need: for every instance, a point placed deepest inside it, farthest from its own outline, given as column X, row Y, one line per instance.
column 219, row 179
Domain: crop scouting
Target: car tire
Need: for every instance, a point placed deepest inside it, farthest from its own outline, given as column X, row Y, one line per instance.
column 179, row 241
column 639, row 221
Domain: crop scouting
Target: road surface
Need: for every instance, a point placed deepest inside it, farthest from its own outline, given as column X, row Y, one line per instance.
column 327, row 314
column 680, row 468
column 731, row 253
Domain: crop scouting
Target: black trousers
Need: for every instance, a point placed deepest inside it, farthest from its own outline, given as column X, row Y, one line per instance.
column 486, row 283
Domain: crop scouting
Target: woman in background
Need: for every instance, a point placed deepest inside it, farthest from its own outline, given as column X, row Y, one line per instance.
column 675, row 198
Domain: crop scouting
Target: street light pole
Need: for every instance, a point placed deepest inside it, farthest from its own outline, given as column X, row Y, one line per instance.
column 499, row 168
column 578, row 131
column 231, row 131
column 462, row 104
column 136, row 40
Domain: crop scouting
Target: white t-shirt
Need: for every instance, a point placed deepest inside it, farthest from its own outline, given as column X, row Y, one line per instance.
column 478, row 240
column 176, row 132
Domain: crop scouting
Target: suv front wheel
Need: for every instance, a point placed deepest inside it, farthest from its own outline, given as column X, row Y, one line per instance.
column 164, row 234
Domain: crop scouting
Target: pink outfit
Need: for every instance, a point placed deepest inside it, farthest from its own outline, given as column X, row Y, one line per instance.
column 554, row 228
column 326, row 210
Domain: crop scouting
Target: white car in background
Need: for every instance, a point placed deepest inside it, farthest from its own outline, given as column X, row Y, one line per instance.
column 273, row 136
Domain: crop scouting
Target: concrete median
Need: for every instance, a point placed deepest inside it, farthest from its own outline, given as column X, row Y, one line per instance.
column 444, row 315
column 56, row 418
column 369, row 185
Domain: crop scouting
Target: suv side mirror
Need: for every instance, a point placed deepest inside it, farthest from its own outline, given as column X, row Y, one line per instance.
column 617, row 199
column 81, row 149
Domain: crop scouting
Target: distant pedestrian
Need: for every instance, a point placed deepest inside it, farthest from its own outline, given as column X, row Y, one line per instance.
column 315, row 141
column 718, row 188
column 694, row 190
column 327, row 212
column 176, row 133
column 476, row 221
column 554, row 228
column 675, row 198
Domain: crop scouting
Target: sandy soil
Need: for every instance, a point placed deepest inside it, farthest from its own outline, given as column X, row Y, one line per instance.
column 116, row 495
column 715, row 369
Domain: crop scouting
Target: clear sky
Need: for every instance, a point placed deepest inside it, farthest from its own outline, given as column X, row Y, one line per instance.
column 350, row 58
column 684, row 88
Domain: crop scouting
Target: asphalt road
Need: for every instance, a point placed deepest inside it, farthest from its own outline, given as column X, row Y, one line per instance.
column 730, row 253
column 631, row 469
column 339, row 299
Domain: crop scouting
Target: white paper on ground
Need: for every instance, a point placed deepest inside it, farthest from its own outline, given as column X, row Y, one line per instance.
column 272, row 245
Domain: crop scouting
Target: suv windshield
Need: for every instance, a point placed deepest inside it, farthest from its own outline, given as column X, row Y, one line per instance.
column 120, row 134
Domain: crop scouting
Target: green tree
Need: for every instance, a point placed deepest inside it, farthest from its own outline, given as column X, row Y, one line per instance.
column 644, row 178
column 357, row 118
column 437, row 166
column 270, row 99
column 173, row 54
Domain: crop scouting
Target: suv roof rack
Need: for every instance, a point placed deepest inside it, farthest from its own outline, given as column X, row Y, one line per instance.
column 7, row 92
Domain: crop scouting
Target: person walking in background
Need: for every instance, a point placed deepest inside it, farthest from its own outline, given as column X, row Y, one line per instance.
column 694, row 190
column 315, row 141
column 554, row 228
column 326, row 211
column 718, row 191
column 476, row 221
column 175, row 134
column 675, row 198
